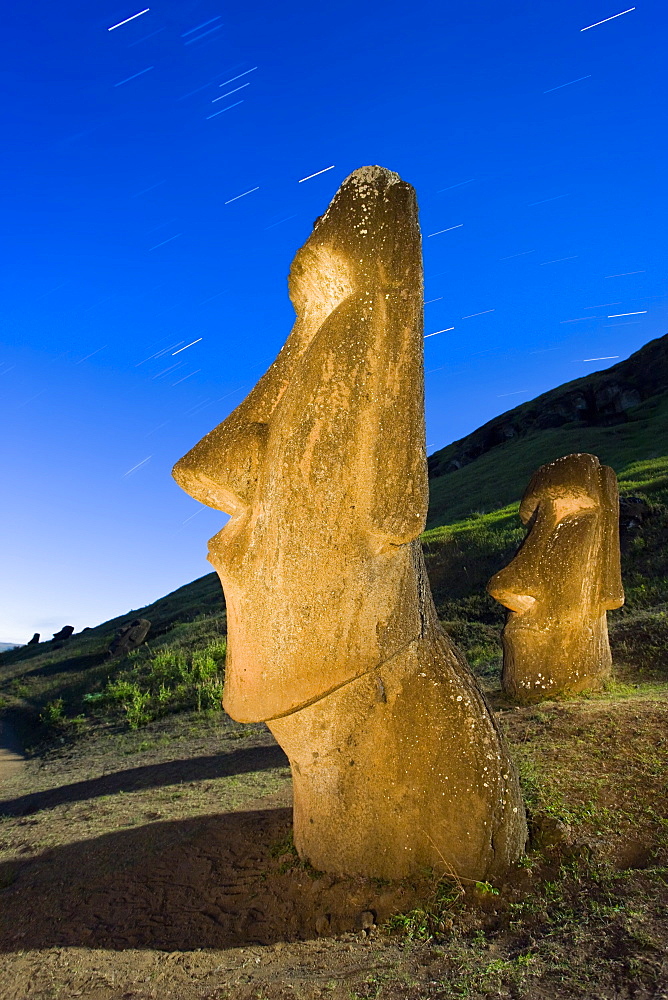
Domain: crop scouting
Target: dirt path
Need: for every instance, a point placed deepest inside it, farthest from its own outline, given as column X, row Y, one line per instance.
column 11, row 758
column 158, row 865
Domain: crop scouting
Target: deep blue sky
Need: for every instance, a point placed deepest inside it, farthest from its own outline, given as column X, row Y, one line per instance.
column 119, row 244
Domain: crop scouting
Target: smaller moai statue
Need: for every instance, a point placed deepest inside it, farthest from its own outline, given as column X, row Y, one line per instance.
column 564, row 578
column 65, row 633
column 34, row 640
column 129, row 637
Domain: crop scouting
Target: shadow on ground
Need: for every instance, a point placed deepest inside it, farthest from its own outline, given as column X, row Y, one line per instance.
column 216, row 881
column 134, row 779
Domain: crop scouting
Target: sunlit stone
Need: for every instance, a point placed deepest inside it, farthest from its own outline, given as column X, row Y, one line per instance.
column 562, row 581
column 333, row 636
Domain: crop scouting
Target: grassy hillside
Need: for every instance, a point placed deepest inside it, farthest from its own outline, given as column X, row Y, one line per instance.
column 473, row 531
column 637, row 451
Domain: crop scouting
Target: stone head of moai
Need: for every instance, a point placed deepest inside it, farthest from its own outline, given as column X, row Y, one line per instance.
column 564, row 578
column 333, row 638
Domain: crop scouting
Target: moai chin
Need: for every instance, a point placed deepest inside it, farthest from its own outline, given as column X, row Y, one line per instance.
column 564, row 578
column 332, row 633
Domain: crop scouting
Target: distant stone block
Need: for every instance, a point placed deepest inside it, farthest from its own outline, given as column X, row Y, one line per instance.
column 129, row 637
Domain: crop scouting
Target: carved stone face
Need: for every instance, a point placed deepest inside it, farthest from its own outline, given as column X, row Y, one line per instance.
column 322, row 467
column 563, row 579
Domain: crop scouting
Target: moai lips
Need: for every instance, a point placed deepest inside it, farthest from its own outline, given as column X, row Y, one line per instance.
column 332, row 634
column 562, row 581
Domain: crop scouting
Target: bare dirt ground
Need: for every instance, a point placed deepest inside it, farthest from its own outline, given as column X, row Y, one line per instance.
column 158, row 864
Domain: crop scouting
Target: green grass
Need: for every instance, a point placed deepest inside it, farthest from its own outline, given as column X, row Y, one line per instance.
column 153, row 684
column 60, row 688
column 636, row 450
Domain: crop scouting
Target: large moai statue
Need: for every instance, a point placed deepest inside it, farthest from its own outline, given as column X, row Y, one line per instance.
column 564, row 578
column 333, row 637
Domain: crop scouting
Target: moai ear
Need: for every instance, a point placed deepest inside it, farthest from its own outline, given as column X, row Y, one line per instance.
column 363, row 373
column 612, row 591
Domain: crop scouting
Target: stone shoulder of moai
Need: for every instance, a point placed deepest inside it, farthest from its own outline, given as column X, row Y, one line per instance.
column 564, row 578
column 332, row 634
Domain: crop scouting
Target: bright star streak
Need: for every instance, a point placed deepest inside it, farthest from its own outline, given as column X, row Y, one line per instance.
column 544, row 200
column 243, row 195
column 623, row 274
column 447, row 329
column 165, row 241
column 230, row 92
column 639, row 312
column 137, row 466
column 607, row 19
column 224, row 109
column 144, row 37
column 190, row 31
column 91, row 355
column 558, row 260
column 570, row 82
column 316, row 174
column 429, row 301
column 194, row 515
column 187, row 346
column 238, row 76
column 609, row 357
column 204, row 34
column 287, row 219
column 185, row 377
column 129, row 19
column 479, row 314
column 523, row 254
column 461, row 184
column 133, row 77
column 445, row 230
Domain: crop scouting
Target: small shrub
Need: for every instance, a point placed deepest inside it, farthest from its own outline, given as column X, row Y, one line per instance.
column 52, row 714
column 171, row 679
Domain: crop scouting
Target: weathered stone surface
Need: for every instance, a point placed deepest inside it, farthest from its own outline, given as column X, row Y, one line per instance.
column 129, row 637
column 561, row 582
column 65, row 632
column 34, row 640
column 332, row 634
